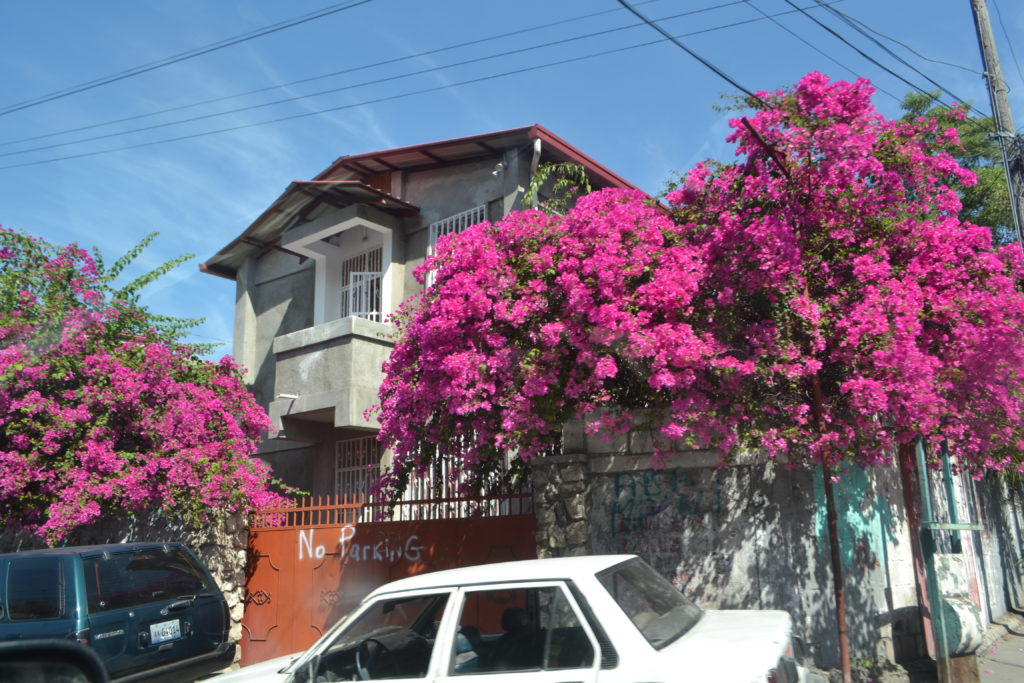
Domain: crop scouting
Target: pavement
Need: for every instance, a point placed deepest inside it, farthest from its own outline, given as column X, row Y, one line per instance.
column 1001, row 658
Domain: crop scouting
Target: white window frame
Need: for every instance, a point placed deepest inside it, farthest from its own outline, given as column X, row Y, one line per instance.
column 361, row 291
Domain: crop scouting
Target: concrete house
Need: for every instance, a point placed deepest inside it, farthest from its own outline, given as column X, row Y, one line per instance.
column 321, row 269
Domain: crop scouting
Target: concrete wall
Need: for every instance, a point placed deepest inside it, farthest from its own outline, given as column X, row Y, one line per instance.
column 275, row 290
column 1001, row 545
column 274, row 296
column 335, row 366
column 753, row 535
column 443, row 192
column 750, row 536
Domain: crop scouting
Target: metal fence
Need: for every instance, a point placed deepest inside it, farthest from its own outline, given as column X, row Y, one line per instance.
column 309, row 512
column 450, row 225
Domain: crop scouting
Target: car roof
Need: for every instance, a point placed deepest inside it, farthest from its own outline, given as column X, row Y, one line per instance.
column 92, row 549
column 506, row 572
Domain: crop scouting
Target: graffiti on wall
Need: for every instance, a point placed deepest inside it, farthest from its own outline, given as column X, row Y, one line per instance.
column 678, row 520
column 652, row 500
column 390, row 550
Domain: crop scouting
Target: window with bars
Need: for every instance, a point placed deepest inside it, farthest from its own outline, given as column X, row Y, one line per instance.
column 356, row 466
column 453, row 224
column 361, row 278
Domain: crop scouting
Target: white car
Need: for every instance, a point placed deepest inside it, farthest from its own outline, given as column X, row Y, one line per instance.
column 598, row 619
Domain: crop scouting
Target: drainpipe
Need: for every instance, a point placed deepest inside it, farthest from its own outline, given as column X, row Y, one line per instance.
column 912, row 504
column 939, row 626
column 534, row 163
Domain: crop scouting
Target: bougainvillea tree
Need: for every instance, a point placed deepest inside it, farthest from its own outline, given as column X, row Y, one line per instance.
column 817, row 300
column 102, row 412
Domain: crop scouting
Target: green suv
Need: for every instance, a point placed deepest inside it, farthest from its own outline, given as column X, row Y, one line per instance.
column 150, row 610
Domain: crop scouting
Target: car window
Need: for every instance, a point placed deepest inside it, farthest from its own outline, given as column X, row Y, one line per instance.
column 392, row 638
column 120, row 580
column 35, row 588
column 654, row 606
column 519, row 630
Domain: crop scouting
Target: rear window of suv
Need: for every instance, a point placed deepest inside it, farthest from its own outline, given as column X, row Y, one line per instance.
column 121, row 580
column 35, row 588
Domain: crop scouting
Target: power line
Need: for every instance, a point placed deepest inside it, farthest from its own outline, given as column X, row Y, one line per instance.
column 988, row 127
column 815, row 48
column 1009, row 41
column 368, row 102
column 912, row 50
column 846, row 19
column 688, row 51
column 330, row 91
column 395, row 60
column 863, row 54
column 874, row 61
column 180, row 57
column 373, row 82
column 303, row 115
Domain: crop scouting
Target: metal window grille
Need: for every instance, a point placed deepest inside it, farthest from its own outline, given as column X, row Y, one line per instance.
column 356, row 466
column 451, row 225
column 361, row 276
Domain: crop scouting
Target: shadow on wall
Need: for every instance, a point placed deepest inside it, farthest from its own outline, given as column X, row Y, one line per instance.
column 755, row 537
column 1002, row 505
column 282, row 305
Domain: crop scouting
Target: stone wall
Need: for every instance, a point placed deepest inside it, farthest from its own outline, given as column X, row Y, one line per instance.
column 751, row 535
column 221, row 545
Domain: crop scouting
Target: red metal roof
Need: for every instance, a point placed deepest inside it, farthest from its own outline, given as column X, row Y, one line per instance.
column 464, row 149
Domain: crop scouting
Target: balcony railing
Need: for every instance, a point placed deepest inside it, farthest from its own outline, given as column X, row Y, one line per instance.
column 361, row 298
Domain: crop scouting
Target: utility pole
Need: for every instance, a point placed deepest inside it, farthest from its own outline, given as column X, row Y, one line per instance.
column 1009, row 142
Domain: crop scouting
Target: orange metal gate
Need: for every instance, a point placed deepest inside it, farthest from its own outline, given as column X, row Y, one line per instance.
column 312, row 563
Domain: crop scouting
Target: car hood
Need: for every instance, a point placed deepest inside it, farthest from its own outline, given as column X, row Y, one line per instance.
column 257, row 673
column 734, row 645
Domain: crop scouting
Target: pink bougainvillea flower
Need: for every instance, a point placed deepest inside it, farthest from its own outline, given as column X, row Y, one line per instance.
column 828, row 255
column 102, row 413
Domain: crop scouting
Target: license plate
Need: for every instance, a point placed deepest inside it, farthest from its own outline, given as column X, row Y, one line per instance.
column 164, row 631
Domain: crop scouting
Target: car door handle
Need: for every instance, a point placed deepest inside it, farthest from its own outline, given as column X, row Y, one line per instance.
column 179, row 605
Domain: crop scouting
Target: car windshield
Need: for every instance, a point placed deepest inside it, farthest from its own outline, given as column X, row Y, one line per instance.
column 659, row 611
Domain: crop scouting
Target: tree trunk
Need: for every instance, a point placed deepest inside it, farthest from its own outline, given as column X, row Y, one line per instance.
column 837, row 576
column 833, row 543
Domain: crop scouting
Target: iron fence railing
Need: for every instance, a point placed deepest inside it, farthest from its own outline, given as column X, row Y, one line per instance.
column 307, row 512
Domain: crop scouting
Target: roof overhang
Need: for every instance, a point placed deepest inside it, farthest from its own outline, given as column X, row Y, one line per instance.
column 294, row 205
column 461, row 150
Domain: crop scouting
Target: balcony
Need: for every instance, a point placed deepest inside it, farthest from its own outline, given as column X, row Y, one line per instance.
column 329, row 374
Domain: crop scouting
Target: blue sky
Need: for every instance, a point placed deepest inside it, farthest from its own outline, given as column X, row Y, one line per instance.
column 643, row 112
